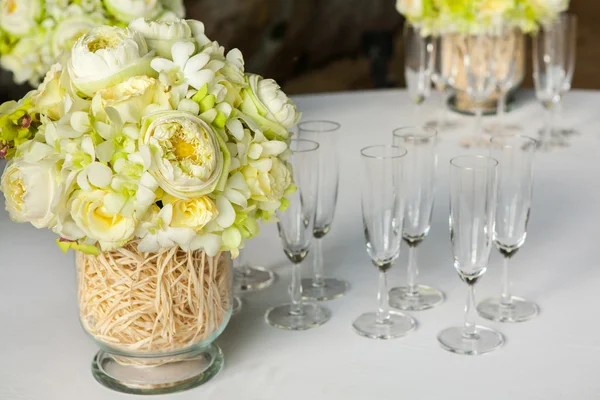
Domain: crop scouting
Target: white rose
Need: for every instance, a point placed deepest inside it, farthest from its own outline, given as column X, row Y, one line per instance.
column 18, row 17
column 68, row 31
column 29, row 189
column 410, row 8
column 267, row 179
column 188, row 158
column 129, row 99
column 106, row 56
column 161, row 35
column 269, row 106
column 128, row 10
column 111, row 230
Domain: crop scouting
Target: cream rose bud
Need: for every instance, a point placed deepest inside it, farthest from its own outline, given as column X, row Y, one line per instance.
column 411, row 8
column 19, row 17
column 193, row 213
column 267, row 179
column 161, row 35
column 49, row 98
column 189, row 160
column 106, row 56
column 29, row 189
column 269, row 106
column 97, row 223
column 128, row 10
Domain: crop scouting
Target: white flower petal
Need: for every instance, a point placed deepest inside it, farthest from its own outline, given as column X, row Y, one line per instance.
column 215, row 65
column 181, row 52
column 162, row 64
column 226, row 216
column 196, row 63
column 80, row 121
column 199, row 78
column 235, row 128
column 105, row 151
column 99, row 174
column 254, row 151
column 181, row 236
column 273, row 148
column 236, row 197
column 189, row 106
column 149, row 244
column 114, row 202
column 209, row 242
column 82, row 181
column 166, row 213
column 264, row 164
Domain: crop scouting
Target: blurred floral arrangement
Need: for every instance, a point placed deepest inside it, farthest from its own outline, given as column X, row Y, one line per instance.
column 462, row 16
column 35, row 34
column 149, row 135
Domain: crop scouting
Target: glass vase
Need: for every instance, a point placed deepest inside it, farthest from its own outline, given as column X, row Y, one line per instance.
column 155, row 316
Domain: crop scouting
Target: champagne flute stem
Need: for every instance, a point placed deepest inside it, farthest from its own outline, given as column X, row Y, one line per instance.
column 478, row 118
column 444, row 113
column 470, row 329
column 549, row 127
column 413, row 270
column 296, row 290
column 418, row 113
column 501, row 111
column 506, row 298
column 383, row 309
column 319, row 279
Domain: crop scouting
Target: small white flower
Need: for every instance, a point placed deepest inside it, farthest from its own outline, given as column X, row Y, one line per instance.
column 184, row 71
column 157, row 233
column 18, row 17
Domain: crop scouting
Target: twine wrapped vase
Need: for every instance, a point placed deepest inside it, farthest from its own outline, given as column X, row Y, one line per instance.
column 154, row 316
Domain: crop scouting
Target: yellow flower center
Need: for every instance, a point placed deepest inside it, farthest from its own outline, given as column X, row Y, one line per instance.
column 18, row 193
column 104, row 42
column 10, row 6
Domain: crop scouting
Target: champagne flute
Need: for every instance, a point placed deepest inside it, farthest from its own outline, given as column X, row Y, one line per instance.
column 419, row 166
column 473, row 182
column 418, row 65
column 383, row 213
column 477, row 51
column 443, row 76
column 296, row 230
column 515, row 155
column 247, row 278
column 508, row 41
column 327, row 134
column 553, row 67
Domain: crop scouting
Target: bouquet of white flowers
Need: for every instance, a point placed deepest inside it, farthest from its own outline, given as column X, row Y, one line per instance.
column 149, row 134
column 34, row 34
column 462, row 16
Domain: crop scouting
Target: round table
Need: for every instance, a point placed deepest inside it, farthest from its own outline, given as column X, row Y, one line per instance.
column 45, row 355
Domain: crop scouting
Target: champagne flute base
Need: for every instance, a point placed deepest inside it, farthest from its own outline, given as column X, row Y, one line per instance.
column 423, row 298
column 518, row 311
column 252, row 279
column 486, row 340
column 237, row 305
column 481, row 140
column 284, row 317
column 397, row 325
column 502, row 129
column 330, row 289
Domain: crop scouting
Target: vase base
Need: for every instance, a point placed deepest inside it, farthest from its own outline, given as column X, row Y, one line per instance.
column 135, row 376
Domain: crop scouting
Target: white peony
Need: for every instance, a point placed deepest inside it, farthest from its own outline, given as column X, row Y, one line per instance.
column 19, row 17
column 30, row 188
column 268, row 105
column 111, row 230
column 128, row 10
column 106, row 56
column 188, row 159
column 161, row 35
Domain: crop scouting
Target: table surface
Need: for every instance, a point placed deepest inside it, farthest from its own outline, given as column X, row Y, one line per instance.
column 44, row 354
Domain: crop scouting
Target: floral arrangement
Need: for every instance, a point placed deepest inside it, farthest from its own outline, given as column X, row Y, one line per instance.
column 34, row 34
column 450, row 16
column 149, row 135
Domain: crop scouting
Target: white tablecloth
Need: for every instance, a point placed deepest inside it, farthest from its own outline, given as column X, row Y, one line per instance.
column 45, row 355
